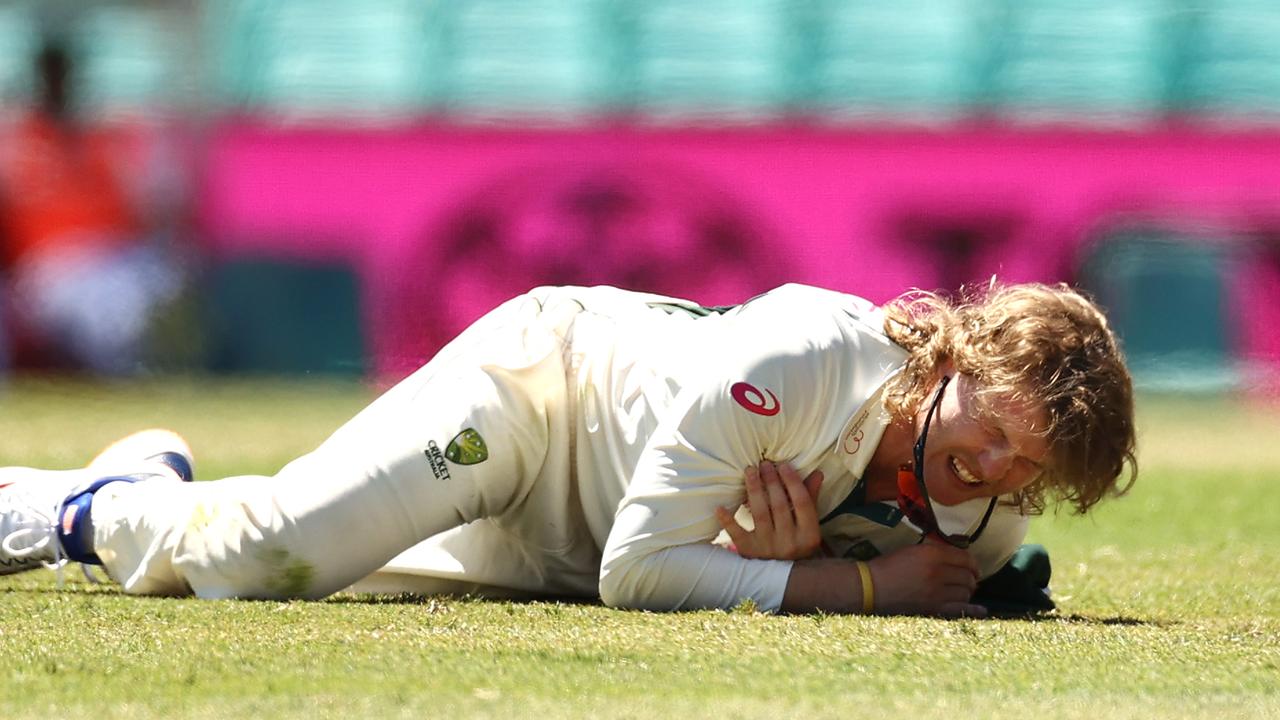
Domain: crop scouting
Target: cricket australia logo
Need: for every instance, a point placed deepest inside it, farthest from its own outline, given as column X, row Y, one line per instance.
column 751, row 398
column 467, row 448
column 436, row 458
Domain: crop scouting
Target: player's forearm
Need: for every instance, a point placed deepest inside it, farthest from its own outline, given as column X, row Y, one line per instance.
column 826, row 584
column 691, row 577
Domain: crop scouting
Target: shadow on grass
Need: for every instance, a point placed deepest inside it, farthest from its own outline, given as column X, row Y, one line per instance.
column 83, row 589
column 436, row 601
column 76, row 588
column 1077, row 619
column 416, row 599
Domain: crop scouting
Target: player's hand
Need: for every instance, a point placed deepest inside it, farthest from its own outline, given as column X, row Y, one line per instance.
column 784, row 510
column 932, row 578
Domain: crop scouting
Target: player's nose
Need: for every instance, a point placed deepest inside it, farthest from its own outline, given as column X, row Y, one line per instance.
column 995, row 461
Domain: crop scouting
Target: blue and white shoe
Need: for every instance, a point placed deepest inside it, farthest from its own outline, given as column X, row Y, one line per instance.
column 42, row 514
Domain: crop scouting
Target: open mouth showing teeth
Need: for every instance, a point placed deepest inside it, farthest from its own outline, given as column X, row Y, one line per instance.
column 968, row 477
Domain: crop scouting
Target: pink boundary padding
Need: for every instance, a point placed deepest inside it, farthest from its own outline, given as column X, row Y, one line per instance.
column 829, row 199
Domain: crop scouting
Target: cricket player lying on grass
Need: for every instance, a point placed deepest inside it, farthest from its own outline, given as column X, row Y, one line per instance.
column 585, row 442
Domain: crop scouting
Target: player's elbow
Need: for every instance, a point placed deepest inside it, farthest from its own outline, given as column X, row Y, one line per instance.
column 618, row 589
column 632, row 583
column 613, row 593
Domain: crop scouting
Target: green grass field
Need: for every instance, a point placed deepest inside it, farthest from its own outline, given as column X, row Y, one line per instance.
column 1169, row 605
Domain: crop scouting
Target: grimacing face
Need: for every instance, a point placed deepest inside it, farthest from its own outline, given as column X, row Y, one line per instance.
column 981, row 445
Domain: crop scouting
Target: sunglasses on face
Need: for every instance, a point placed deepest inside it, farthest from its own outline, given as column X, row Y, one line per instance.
column 913, row 494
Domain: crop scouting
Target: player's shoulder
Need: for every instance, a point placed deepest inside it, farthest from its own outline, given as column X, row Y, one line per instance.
column 805, row 332
column 811, row 294
column 791, row 297
column 805, row 310
column 799, row 302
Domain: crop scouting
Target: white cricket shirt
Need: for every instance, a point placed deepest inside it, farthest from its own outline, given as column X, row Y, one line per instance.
column 673, row 402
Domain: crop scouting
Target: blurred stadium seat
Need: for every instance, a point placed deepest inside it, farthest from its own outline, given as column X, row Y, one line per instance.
column 1166, row 294
column 323, row 59
column 726, row 60
column 134, row 60
column 279, row 316
column 1082, row 61
column 529, row 59
column 1232, row 68
column 914, row 62
column 19, row 41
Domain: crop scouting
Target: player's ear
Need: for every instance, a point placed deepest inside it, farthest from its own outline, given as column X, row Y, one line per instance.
column 945, row 367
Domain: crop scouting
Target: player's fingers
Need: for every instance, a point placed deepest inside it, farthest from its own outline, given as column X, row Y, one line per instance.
column 806, row 514
column 779, row 503
column 963, row 610
column 757, row 499
column 958, row 578
column 792, row 483
column 954, row 556
column 768, row 471
column 967, row 561
column 813, row 484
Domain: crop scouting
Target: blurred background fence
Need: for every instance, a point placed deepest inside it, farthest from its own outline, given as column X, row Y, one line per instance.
column 342, row 185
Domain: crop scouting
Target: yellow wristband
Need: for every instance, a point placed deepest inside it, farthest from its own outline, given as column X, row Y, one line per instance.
column 868, row 588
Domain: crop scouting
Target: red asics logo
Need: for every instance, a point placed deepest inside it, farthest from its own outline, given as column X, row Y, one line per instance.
column 752, row 399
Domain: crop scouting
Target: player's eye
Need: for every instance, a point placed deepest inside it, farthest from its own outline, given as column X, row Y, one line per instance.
column 992, row 429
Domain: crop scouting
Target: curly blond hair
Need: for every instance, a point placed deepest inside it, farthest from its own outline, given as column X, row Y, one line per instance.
column 1048, row 344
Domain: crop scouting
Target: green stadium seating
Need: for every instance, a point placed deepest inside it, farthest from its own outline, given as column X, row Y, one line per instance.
column 1232, row 65
column 921, row 61
column 1166, row 295
column 19, row 42
column 132, row 60
column 528, row 59
column 716, row 59
column 1091, row 61
column 306, row 59
column 278, row 316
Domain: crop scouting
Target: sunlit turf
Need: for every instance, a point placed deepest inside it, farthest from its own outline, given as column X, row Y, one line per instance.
column 1169, row 605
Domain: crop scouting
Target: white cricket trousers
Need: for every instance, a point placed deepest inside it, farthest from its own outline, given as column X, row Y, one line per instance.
column 378, row 486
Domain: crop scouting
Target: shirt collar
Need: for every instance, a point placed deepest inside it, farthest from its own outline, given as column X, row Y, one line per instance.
column 853, row 449
column 862, row 432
